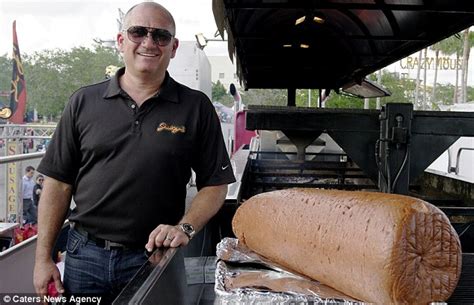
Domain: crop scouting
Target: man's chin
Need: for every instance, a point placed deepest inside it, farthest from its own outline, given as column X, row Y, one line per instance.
column 148, row 71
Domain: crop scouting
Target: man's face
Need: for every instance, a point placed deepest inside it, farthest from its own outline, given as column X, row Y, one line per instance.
column 147, row 58
column 30, row 173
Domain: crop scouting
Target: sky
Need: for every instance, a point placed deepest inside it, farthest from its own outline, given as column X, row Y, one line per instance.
column 49, row 24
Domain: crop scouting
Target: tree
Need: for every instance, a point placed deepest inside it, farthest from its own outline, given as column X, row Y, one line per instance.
column 218, row 91
column 445, row 95
column 5, row 78
column 437, row 48
column 270, row 97
column 46, row 81
column 303, row 97
column 343, row 101
column 425, row 60
column 468, row 41
column 53, row 75
column 416, row 101
column 402, row 91
column 220, row 94
column 449, row 46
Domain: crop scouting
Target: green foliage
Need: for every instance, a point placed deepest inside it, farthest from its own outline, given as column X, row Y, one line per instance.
column 402, row 89
column 450, row 45
column 470, row 94
column 5, row 78
column 220, row 94
column 344, row 101
column 303, row 98
column 53, row 75
column 273, row 97
column 444, row 95
column 218, row 91
column 269, row 97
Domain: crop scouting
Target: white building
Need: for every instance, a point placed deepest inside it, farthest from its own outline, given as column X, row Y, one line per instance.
column 223, row 70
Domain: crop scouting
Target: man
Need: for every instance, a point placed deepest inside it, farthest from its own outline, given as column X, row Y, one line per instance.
column 29, row 210
column 124, row 148
column 37, row 189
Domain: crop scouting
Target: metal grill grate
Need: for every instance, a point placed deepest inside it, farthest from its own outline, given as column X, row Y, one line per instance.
column 464, row 293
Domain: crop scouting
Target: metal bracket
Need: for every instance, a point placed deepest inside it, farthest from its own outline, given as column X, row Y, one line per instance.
column 393, row 148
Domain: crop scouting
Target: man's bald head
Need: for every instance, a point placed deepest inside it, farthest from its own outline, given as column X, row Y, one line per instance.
column 148, row 5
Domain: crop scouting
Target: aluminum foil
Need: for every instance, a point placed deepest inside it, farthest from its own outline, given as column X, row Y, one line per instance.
column 244, row 277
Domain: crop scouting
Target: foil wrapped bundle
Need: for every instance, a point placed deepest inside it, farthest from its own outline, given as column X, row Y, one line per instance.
column 244, row 277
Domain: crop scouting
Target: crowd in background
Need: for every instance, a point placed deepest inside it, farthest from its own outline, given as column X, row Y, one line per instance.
column 31, row 191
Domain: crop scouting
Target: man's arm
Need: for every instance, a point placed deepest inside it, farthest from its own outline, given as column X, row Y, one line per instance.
column 54, row 204
column 205, row 204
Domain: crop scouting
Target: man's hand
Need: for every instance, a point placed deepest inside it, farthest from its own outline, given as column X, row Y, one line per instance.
column 44, row 273
column 166, row 236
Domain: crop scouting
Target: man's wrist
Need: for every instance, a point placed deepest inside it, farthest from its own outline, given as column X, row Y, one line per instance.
column 187, row 229
column 40, row 258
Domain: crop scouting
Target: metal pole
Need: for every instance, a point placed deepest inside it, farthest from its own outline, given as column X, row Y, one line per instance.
column 291, row 96
column 21, row 157
column 366, row 103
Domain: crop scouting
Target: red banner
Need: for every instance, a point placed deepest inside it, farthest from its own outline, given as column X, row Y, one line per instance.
column 18, row 91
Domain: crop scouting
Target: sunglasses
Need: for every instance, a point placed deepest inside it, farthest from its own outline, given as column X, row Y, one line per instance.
column 137, row 34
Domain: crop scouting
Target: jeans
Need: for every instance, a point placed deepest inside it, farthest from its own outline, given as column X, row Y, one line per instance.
column 95, row 271
column 29, row 212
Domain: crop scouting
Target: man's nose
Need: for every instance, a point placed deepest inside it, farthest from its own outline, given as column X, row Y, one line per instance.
column 148, row 39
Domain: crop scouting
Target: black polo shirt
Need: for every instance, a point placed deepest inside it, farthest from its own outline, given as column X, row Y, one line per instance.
column 129, row 165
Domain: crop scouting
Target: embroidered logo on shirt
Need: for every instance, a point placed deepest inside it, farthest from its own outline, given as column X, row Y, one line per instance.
column 171, row 128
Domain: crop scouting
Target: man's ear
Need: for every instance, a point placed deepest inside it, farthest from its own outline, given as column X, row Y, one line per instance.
column 120, row 39
column 175, row 47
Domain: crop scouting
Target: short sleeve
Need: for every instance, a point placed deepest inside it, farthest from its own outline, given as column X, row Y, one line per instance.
column 62, row 160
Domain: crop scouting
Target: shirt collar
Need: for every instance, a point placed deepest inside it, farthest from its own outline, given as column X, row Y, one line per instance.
column 113, row 89
column 168, row 91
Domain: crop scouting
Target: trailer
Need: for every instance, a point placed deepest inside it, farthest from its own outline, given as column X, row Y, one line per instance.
column 192, row 68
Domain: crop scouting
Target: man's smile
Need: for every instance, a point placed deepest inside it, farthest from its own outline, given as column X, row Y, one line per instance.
column 147, row 54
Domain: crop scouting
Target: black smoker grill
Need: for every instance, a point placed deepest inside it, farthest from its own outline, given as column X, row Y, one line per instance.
column 386, row 150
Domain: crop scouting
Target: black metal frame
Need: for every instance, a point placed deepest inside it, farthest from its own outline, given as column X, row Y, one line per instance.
column 420, row 137
column 355, row 39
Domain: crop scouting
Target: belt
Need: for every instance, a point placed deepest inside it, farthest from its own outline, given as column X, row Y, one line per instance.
column 104, row 243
